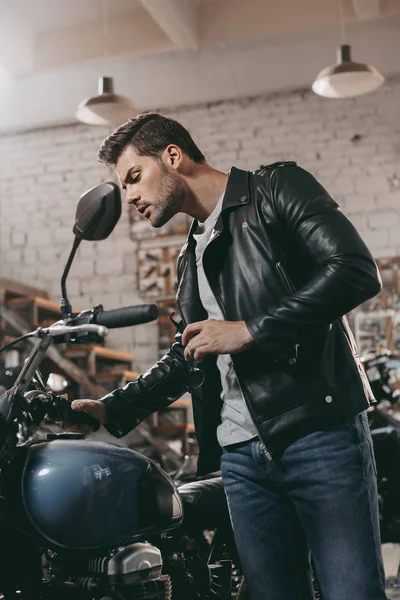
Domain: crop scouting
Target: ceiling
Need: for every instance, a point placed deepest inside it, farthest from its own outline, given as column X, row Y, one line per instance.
column 170, row 52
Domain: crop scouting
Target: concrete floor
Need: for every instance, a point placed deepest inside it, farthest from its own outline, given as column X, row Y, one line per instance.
column 391, row 559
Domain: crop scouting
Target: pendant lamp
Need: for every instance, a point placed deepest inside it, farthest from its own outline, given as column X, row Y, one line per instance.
column 107, row 108
column 346, row 79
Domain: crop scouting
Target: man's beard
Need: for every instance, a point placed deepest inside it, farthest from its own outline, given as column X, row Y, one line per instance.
column 169, row 200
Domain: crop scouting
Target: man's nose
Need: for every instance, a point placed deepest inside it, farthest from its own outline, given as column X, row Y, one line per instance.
column 132, row 197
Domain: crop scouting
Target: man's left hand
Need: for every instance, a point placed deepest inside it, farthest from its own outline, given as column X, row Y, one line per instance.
column 215, row 337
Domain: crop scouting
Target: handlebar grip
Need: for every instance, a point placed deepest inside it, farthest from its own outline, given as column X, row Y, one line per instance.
column 127, row 316
column 61, row 411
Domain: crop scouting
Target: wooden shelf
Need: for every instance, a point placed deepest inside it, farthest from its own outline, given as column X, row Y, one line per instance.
column 6, row 339
column 88, row 365
column 112, row 375
column 38, row 301
column 12, row 289
column 157, row 418
column 46, row 323
column 188, row 427
column 94, row 358
column 116, row 379
column 179, row 404
column 35, row 309
column 100, row 351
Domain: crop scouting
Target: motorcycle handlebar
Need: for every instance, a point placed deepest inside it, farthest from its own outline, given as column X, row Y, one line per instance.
column 59, row 409
column 127, row 316
column 57, row 330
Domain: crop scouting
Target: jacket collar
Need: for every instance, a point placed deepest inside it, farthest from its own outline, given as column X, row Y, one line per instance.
column 237, row 189
column 237, row 193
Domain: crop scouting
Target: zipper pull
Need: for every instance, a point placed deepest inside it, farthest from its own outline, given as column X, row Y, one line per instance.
column 293, row 359
column 265, row 451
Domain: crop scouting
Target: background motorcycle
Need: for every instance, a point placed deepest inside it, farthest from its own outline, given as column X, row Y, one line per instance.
column 383, row 370
column 86, row 519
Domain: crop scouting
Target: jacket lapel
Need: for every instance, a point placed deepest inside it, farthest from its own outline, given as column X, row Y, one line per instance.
column 237, row 193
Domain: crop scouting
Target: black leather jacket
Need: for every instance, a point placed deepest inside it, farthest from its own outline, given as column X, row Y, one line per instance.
column 284, row 258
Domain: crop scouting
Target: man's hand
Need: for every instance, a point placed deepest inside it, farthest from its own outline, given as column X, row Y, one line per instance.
column 94, row 408
column 215, row 337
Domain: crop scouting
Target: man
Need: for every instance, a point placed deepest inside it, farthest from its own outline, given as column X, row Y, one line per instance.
column 269, row 268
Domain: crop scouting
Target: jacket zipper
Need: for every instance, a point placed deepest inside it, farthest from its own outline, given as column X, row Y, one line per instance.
column 265, row 450
column 285, row 278
column 221, row 306
column 291, row 289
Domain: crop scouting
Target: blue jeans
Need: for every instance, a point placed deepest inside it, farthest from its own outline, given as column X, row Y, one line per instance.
column 320, row 498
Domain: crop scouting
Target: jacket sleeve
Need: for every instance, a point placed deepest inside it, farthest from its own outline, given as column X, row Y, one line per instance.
column 345, row 272
column 161, row 385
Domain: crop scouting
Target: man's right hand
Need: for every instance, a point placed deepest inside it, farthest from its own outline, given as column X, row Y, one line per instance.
column 94, row 408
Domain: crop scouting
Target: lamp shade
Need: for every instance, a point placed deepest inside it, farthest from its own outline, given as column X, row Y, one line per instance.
column 346, row 78
column 106, row 108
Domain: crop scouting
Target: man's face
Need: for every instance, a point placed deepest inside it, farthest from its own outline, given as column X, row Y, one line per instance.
column 151, row 185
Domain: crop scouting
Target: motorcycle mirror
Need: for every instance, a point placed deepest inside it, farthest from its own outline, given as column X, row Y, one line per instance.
column 98, row 211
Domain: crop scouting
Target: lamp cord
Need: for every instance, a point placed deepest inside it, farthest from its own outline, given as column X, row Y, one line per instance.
column 105, row 32
column 342, row 23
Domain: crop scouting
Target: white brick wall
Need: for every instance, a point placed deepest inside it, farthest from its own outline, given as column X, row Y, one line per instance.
column 43, row 173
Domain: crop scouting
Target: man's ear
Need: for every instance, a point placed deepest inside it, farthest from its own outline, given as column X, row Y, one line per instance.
column 172, row 157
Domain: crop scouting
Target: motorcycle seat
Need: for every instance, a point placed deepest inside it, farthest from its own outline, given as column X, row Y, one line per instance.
column 204, row 504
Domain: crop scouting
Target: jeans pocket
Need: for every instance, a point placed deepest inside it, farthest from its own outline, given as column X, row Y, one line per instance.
column 347, row 425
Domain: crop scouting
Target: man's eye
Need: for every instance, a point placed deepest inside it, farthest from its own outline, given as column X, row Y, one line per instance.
column 135, row 178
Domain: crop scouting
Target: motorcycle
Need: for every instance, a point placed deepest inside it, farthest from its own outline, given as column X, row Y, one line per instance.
column 84, row 519
column 384, row 422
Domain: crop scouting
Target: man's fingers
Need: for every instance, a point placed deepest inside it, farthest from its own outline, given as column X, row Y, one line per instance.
column 200, row 353
column 197, row 349
column 192, row 346
column 95, row 408
column 85, row 405
column 190, row 330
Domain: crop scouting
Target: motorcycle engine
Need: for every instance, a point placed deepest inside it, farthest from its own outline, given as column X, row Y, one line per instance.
column 133, row 571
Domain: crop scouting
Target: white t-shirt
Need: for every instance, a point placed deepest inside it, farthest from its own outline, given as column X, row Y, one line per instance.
column 237, row 425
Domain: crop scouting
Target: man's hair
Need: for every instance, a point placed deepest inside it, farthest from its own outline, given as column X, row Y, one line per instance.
column 149, row 134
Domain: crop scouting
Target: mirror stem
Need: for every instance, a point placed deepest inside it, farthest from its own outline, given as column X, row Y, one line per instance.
column 66, row 309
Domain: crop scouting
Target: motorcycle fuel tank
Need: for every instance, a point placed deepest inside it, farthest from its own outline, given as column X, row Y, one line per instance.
column 90, row 495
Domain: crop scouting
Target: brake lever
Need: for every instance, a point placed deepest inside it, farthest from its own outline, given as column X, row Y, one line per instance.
column 40, row 381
